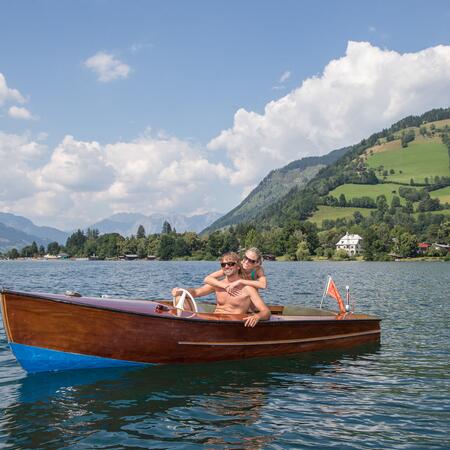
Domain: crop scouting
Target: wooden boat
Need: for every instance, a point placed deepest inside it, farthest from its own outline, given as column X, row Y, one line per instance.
column 57, row 332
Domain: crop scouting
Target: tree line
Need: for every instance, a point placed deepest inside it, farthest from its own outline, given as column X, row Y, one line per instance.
column 390, row 230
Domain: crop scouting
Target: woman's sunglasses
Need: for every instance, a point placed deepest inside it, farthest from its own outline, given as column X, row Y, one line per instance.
column 251, row 261
column 228, row 263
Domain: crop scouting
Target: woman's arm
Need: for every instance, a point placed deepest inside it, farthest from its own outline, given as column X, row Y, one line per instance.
column 259, row 283
column 213, row 280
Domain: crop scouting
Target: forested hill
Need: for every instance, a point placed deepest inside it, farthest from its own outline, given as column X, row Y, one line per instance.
column 275, row 186
column 356, row 167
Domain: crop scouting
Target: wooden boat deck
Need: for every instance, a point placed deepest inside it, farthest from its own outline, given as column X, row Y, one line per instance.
column 150, row 332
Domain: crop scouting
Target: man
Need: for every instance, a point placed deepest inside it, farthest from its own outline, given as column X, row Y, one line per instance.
column 244, row 300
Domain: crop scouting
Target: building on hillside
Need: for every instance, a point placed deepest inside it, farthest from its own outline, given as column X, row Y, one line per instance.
column 351, row 243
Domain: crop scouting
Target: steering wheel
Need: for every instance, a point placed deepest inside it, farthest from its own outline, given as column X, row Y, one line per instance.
column 185, row 298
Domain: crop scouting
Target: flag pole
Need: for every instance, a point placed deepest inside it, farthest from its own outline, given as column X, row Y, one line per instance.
column 325, row 290
column 347, row 306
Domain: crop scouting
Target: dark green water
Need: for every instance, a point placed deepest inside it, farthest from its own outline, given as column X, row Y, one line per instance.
column 393, row 395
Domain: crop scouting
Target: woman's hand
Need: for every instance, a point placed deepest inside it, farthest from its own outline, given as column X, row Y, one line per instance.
column 233, row 289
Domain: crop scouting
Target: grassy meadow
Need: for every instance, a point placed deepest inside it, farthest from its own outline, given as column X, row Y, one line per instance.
column 442, row 194
column 332, row 213
column 367, row 190
column 425, row 158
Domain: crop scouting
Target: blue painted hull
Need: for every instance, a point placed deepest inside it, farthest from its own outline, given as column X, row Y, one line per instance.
column 37, row 359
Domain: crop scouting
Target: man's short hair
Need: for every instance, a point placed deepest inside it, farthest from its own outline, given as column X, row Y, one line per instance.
column 233, row 256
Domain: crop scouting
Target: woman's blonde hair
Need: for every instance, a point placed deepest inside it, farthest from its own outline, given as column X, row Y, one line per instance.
column 258, row 253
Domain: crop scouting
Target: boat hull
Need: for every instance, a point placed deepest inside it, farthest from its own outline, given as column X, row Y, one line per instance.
column 50, row 332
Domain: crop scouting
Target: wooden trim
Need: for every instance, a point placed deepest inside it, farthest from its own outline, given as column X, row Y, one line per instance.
column 284, row 341
column 5, row 318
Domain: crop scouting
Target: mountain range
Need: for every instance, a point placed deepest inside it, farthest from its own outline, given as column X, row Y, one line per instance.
column 127, row 224
column 18, row 231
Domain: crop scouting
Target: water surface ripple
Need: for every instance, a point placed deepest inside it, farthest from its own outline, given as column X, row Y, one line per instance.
column 393, row 395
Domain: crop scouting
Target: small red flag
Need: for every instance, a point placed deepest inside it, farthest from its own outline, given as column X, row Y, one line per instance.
column 332, row 291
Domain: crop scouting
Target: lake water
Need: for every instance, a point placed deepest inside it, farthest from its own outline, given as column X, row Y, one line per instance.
column 392, row 395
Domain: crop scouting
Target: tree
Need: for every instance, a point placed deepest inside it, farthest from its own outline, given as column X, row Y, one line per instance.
column 109, row 245
column 406, row 245
column 12, row 254
column 92, row 233
column 141, row 232
column 75, row 243
column 166, row 228
column 166, row 246
column 53, row 248
column 302, row 253
column 214, row 245
column 358, row 217
column 141, row 248
column 407, row 136
column 34, row 249
column 395, row 202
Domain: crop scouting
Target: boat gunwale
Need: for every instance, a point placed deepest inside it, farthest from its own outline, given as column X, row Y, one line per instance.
column 195, row 319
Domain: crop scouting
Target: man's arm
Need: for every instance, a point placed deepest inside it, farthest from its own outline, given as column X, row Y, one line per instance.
column 258, row 303
column 195, row 292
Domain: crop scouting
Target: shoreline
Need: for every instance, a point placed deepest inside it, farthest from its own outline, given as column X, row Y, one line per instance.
column 280, row 260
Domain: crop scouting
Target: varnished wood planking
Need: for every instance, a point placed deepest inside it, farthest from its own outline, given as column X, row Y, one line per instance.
column 152, row 338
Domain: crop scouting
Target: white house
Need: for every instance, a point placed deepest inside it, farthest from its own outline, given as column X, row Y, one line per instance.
column 351, row 243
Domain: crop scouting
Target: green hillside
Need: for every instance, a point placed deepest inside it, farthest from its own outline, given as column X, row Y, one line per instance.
column 331, row 213
column 392, row 189
column 414, row 150
column 369, row 190
column 274, row 186
column 442, row 194
column 419, row 161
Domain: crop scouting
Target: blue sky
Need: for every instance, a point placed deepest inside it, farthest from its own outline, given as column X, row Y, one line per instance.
column 87, row 80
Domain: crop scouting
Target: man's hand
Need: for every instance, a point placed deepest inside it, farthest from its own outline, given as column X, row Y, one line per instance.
column 251, row 321
column 233, row 289
column 176, row 292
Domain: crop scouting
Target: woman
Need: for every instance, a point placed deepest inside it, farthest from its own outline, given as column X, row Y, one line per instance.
column 253, row 274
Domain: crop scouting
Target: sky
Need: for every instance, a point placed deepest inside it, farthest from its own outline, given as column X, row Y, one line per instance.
column 111, row 106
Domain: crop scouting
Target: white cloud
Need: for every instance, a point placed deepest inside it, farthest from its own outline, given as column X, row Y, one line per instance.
column 163, row 174
column 17, row 112
column 285, row 76
column 107, row 67
column 78, row 166
column 7, row 94
column 358, row 94
column 77, row 183
column 19, row 157
column 80, row 182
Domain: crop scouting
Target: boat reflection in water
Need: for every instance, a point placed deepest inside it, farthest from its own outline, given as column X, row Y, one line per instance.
column 89, row 408
column 56, row 332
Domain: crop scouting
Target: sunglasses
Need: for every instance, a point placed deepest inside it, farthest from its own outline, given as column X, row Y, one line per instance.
column 228, row 263
column 251, row 261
